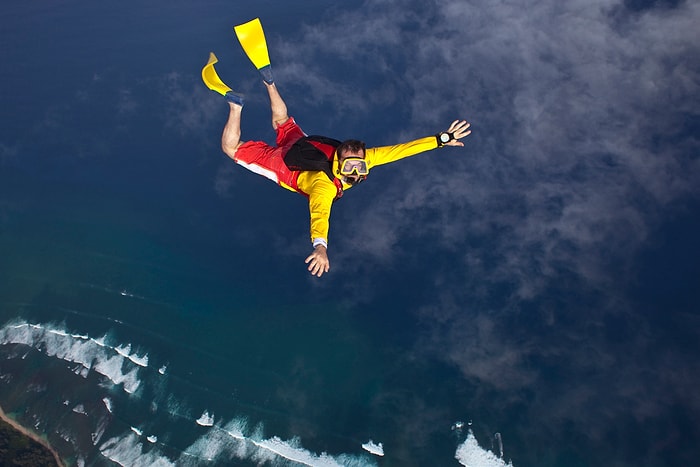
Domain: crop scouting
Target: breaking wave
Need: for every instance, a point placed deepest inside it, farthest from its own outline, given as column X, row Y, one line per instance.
column 118, row 364
column 470, row 454
column 133, row 419
column 138, row 444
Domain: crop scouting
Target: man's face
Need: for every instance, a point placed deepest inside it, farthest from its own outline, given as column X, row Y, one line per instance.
column 352, row 178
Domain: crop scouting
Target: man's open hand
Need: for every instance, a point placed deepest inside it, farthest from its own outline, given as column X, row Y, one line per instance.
column 318, row 261
column 459, row 129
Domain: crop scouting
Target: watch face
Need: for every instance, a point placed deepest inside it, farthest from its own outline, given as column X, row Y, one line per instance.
column 444, row 137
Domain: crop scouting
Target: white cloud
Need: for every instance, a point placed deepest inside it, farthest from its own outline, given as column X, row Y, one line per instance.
column 575, row 110
column 189, row 107
column 580, row 142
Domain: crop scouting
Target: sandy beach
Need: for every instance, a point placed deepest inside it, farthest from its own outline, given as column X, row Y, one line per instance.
column 30, row 434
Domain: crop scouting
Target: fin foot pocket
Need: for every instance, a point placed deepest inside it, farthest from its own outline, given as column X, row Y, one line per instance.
column 235, row 98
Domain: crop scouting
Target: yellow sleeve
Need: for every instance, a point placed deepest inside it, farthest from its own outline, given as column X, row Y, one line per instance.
column 386, row 154
column 321, row 193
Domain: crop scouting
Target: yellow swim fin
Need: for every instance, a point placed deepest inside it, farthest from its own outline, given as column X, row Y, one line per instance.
column 211, row 79
column 252, row 39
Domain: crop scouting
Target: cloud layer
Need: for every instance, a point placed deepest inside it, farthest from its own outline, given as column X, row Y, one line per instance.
column 580, row 117
column 584, row 137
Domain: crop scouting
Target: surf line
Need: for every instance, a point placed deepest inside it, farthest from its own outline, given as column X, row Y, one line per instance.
column 80, row 349
column 278, row 447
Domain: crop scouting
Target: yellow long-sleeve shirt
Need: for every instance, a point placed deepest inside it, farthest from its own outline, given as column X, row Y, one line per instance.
column 322, row 191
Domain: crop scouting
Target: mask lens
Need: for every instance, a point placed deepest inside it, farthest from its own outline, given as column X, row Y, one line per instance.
column 354, row 165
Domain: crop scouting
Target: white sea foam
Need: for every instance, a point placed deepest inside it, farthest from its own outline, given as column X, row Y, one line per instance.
column 237, row 428
column 293, row 452
column 140, row 361
column 231, row 440
column 96, row 436
column 121, row 365
column 470, row 454
column 373, row 448
column 499, row 440
column 125, row 351
column 127, row 451
column 88, row 353
column 108, row 404
column 206, row 419
column 99, row 341
column 209, row 447
column 80, row 370
column 112, row 369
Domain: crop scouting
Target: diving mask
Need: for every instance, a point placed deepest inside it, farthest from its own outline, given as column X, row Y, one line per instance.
column 353, row 165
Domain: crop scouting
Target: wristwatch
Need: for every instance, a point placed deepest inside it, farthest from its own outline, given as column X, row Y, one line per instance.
column 444, row 137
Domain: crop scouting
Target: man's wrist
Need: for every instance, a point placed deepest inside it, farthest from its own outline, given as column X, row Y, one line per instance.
column 320, row 241
column 444, row 137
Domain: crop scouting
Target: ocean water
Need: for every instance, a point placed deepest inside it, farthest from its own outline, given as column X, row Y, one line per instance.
column 530, row 299
column 98, row 400
column 118, row 347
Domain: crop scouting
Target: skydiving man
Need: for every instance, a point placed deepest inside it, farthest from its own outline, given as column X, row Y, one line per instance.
column 320, row 168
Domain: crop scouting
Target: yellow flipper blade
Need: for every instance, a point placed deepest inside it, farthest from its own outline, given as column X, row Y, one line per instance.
column 211, row 79
column 252, row 39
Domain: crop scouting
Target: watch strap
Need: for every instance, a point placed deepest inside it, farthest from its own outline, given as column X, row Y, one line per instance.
column 440, row 143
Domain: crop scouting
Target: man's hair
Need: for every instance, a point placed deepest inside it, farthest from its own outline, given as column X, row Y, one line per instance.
column 350, row 145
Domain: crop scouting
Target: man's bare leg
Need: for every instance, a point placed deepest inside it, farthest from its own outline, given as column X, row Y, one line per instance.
column 231, row 137
column 279, row 108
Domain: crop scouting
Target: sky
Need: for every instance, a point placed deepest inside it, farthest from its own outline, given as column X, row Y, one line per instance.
column 551, row 263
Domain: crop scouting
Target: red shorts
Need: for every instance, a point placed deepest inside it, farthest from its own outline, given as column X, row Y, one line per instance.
column 268, row 161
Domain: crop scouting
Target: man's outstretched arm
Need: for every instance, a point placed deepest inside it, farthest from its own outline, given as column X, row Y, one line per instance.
column 386, row 154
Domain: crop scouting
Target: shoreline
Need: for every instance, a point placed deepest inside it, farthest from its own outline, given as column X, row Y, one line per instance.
column 30, row 434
